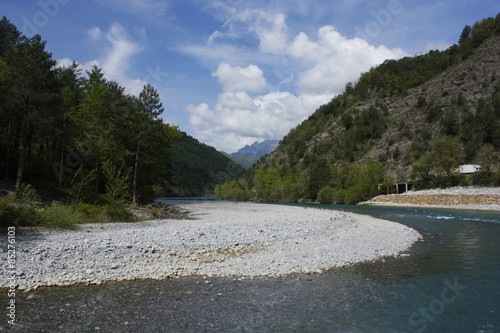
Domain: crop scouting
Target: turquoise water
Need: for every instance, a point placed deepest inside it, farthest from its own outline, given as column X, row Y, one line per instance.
column 185, row 200
column 449, row 283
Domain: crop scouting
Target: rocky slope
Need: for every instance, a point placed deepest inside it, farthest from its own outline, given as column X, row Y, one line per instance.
column 407, row 118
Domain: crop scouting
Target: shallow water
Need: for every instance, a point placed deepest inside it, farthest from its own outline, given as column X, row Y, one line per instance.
column 449, row 283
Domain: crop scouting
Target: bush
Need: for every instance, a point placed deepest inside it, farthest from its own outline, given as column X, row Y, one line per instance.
column 13, row 213
column 119, row 213
column 61, row 216
column 339, row 196
column 325, row 195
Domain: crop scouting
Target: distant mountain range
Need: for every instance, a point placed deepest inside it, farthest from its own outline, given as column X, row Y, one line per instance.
column 249, row 155
column 258, row 149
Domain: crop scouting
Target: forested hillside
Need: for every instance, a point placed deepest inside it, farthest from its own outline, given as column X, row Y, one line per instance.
column 73, row 137
column 198, row 168
column 414, row 119
column 75, row 147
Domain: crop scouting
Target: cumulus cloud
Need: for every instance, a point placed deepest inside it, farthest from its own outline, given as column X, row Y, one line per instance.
column 239, row 119
column 315, row 68
column 249, row 79
column 336, row 58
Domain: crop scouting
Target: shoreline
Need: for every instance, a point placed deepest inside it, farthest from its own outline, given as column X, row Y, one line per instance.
column 223, row 240
column 460, row 198
column 486, row 208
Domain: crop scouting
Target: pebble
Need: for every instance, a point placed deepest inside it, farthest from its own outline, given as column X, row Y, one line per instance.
column 243, row 240
column 458, row 190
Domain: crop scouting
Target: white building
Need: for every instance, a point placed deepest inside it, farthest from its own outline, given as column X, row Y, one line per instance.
column 470, row 168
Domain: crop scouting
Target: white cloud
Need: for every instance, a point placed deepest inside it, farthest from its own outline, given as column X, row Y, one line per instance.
column 273, row 39
column 119, row 48
column 336, row 60
column 94, row 33
column 239, row 119
column 249, row 79
column 64, row 62
column 317, row 67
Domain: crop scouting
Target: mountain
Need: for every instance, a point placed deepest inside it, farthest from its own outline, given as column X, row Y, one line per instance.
column 258, row 149
column 244, row 160
column 415, row 119
column 197, row 168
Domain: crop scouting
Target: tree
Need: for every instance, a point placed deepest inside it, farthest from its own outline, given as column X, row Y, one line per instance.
column 31, row 94
column 362, row 182
column 325, row 195
column 148, row 110
column 9, row 35
column 319, row 176
column 465, row 35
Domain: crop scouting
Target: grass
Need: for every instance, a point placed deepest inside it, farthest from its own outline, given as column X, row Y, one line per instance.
column 57, row 215
column 27, row 210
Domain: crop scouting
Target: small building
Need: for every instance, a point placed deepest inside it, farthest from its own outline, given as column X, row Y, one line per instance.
column 469, row 168
column 397, row 188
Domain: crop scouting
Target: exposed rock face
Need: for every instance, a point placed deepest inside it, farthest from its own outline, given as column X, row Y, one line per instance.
column 472, row 79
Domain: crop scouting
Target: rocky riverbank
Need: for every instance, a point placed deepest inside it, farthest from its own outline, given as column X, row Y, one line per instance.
column 223, row 239
column 480, row 198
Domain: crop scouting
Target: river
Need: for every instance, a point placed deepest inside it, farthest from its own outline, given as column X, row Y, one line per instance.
column 450, row 282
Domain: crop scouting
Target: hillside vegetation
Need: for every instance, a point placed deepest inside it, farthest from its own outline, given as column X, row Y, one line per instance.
column 77, row 148
column 197, row 169
column 414, row 119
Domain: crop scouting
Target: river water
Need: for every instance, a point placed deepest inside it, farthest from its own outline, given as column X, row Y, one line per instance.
column 450, row 282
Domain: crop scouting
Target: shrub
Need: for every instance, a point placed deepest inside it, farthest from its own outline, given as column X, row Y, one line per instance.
column 339, row 196
column 119, row 213
column 93, row 213
column 61, row 216
column 325, row 195
column 13, row 213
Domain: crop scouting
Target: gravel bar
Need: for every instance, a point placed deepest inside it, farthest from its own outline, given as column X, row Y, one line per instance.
column 462, row 198
column 222, row 239
column 458, row 190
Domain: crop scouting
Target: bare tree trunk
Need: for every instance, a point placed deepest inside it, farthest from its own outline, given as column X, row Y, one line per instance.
column 136, row 163
column 60, row 176
column 7, row 164
column 20, row 165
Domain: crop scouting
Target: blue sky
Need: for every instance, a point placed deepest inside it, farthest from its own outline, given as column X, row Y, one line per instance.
column 231, row 72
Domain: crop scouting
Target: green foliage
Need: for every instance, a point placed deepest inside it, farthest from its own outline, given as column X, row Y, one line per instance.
column 82, row 139
column 198, row 168
column 116, row 183
column 325, row 195
column 61, row 217
column 325, row 158
column 395, row 77
column 119, row 213
column 362, row 181
column 16, row 213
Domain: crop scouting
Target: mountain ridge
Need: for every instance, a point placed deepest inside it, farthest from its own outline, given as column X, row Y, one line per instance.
column 414, row 119
column 258, row 149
